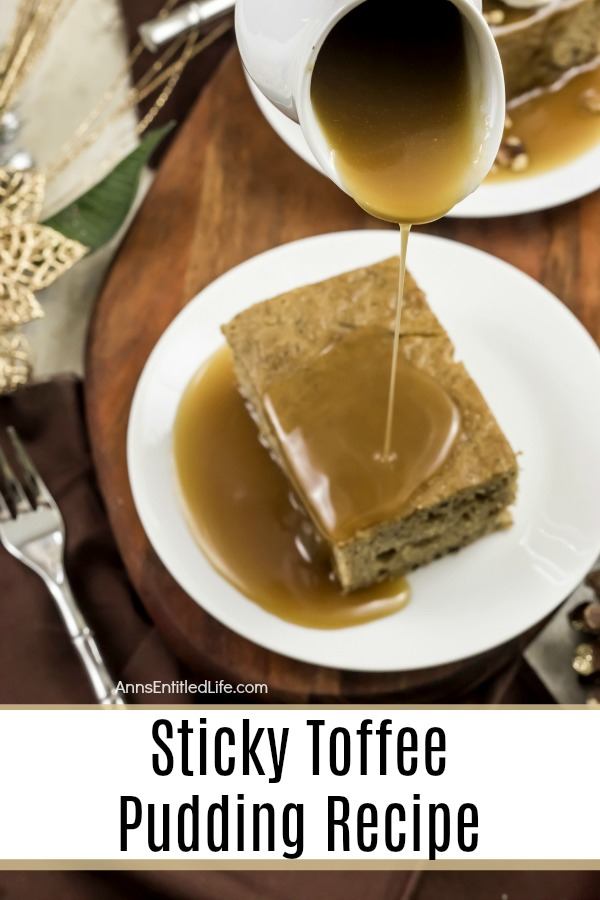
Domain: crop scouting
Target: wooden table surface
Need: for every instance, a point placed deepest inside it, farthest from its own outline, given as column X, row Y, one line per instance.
column 229, row 189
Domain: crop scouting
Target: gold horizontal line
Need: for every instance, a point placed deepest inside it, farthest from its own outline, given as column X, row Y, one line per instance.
column 529, row 865
column 314, row 708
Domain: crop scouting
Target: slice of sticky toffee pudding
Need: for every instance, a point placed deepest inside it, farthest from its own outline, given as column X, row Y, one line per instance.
column 313, row 366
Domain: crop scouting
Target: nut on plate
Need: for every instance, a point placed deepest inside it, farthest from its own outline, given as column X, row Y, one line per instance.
column 590, row 100
column 513, row 154
column 495, row 16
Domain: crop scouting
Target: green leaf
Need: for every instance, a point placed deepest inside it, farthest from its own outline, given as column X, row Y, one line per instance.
column 95, row 217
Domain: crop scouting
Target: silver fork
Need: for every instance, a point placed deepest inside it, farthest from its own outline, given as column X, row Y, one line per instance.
column 33, row 531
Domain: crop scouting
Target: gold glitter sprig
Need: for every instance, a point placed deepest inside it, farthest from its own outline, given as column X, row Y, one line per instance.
column 34, row 23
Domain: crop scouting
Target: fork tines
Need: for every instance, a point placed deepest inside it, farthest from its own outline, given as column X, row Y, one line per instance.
column 19, row 495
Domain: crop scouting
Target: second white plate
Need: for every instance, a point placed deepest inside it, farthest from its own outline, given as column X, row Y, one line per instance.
column 540, row 372
column 509, row 198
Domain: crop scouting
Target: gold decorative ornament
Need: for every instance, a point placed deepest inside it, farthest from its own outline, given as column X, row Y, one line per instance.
column 32, row 257
column 15, row 367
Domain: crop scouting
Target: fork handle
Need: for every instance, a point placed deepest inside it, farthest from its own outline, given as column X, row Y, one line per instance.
column 103, row 685
column 82, row 638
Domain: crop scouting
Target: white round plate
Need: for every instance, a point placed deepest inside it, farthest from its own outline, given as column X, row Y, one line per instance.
column 509, row 198
column 540, row 372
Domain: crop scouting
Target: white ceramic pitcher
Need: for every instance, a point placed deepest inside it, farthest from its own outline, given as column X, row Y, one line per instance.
column 280, row 40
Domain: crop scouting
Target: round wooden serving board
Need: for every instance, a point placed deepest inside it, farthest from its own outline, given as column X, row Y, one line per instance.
column 229, row 189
